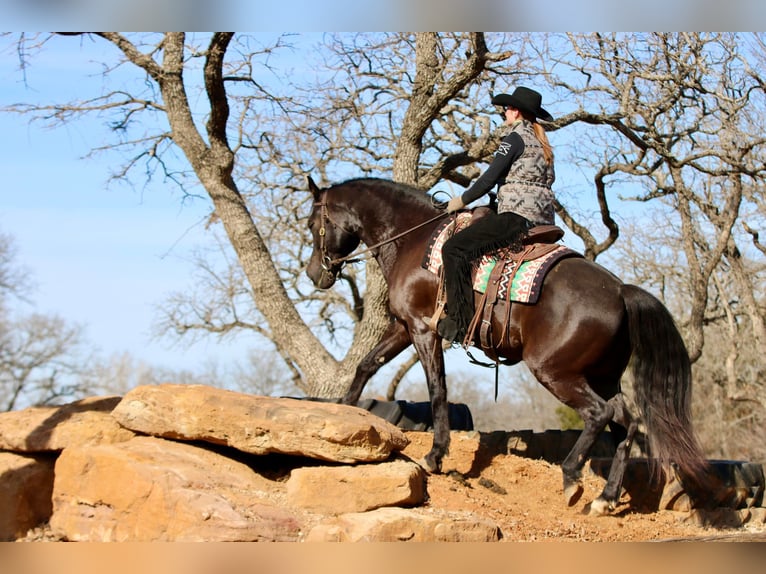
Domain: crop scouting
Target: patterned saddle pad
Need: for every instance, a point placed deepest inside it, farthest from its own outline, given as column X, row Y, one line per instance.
column 527, row 281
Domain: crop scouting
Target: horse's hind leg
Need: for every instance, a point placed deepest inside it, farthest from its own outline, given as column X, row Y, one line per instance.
column 595, row 413
column 611, row 493
column 395, row 339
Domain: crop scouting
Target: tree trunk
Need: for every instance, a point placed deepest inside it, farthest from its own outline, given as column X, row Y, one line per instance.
column 213, row 165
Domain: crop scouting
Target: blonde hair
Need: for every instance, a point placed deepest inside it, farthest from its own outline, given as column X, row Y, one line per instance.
column 542, row 137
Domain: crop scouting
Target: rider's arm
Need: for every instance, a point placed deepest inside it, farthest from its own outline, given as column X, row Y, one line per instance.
column 510, row 149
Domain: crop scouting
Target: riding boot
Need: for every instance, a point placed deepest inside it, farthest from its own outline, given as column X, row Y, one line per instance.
column 448, row 330
column 459, row 308
column 454, row 326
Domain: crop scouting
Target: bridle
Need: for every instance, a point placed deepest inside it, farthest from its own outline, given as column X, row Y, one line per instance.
column 324, row 217
column 328, row 262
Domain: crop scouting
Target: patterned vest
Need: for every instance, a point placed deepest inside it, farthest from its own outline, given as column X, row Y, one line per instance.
column 527, row 188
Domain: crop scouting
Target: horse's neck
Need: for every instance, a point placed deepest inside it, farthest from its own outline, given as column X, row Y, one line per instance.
column 368, row 228
column 374, row 232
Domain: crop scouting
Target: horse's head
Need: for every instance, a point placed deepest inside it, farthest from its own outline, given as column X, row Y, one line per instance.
column 334, row 237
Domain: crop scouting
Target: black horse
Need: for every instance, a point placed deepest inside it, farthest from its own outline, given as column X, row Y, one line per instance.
column 577, row 340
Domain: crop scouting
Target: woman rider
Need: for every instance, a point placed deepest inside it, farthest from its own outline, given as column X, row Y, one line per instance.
column 523, row 169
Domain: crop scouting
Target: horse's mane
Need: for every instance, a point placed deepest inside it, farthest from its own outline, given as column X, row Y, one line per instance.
column 402, row 191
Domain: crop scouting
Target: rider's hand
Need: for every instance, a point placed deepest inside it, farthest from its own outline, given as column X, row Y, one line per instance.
column 455, row 203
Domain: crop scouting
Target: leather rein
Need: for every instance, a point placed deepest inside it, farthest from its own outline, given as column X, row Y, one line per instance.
column 328, row 262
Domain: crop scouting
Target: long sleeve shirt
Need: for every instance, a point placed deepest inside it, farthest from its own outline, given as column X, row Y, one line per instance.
column 510, row 149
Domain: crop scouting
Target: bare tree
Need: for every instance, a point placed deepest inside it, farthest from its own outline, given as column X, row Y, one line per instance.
column 356, row 123
column 41, row 356
column 674, row 124
column 670, row 122
column 434, row 74
column 681, row 113
column 728, row 376
column 14, row 279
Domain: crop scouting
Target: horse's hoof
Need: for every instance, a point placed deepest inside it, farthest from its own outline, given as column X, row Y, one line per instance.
column 429, row 467
column 572, row 493
column 600, row 507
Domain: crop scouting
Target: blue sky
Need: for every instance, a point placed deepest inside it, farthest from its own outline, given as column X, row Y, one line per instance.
column 100, row 256
column 103, row 256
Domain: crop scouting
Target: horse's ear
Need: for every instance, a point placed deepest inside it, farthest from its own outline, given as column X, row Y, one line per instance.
column 313, row 188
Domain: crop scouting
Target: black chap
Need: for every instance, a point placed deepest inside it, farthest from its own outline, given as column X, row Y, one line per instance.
column 492, row 232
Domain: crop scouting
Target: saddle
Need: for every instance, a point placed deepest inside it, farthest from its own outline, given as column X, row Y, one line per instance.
column 540, row 247
column 539, row 242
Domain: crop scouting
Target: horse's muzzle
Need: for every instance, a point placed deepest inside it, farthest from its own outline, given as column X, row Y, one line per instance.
column 323, row 274
column 327, row 279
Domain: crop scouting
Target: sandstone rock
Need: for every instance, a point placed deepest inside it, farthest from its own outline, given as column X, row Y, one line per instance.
column 149, row 489
column 758, row 515
column 464, row 449
column 40, row 429
column 25, row 493
column 343, row 489
column 259, row 425
column 401, row 524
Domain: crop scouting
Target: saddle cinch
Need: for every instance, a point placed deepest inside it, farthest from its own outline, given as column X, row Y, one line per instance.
column 502, row 277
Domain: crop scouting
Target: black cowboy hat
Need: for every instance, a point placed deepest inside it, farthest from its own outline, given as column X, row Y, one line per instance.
column 525, row 100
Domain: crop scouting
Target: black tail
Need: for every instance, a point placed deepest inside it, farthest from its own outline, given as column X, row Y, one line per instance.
column 662, row 379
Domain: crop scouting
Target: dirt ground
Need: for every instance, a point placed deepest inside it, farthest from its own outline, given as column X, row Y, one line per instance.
column 525, row 498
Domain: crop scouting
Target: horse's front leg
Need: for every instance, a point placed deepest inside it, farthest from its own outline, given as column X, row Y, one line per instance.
column 395, row 339
column 429, row 348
